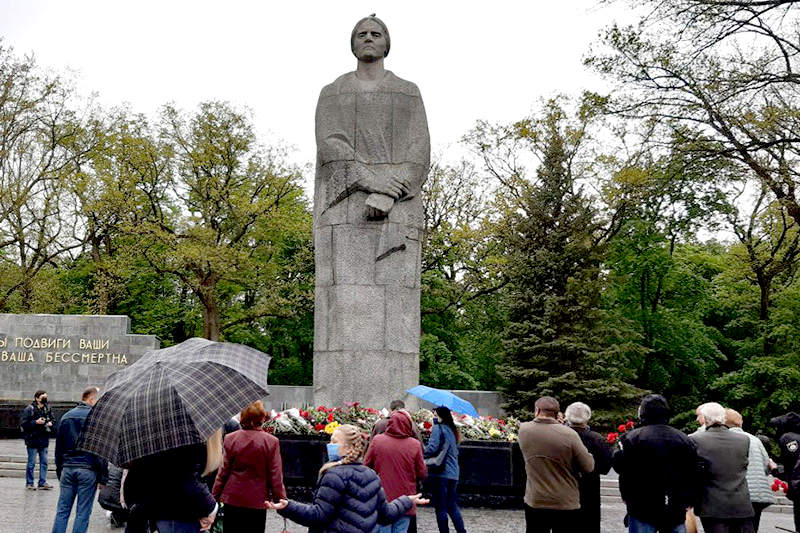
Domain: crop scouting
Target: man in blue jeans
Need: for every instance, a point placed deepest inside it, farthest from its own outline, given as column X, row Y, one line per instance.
column 37, row 422
column 79, row 472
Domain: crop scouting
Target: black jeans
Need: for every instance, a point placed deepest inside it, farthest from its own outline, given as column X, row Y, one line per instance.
column 244, row 519
column 758, row 508
column 445, row 502
column 549, row 520
column 796, row 506
column 741, row 525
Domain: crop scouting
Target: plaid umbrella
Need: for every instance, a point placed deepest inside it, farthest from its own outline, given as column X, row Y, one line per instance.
column 173, row 397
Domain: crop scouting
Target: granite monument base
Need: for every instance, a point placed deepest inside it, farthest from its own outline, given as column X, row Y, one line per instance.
column 371, row 378
column 64, row 354
column 492, row 472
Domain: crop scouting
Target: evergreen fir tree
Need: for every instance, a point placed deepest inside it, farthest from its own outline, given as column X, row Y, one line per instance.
column 559, row 340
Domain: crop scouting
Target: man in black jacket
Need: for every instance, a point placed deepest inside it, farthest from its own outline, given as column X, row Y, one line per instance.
column 788, row 431
column 656, row 465
column 588, row 519
column 79, row 472
column 37, row 422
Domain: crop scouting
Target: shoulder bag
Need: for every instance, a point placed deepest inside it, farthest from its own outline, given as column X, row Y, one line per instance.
column 435, row 463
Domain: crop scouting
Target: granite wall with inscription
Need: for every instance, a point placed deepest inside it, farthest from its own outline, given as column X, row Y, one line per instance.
column 63, row 354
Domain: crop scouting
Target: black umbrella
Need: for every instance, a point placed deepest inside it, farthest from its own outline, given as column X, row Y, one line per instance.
column 173, row 397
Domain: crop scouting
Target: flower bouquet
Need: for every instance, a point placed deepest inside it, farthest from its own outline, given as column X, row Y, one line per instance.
column 323, row 420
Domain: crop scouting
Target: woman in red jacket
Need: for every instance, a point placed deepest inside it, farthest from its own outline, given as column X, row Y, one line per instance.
column 251, row 473
column 396, row 455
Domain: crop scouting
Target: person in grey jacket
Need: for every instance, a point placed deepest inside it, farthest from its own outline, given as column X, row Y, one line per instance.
column 761, row 495
column 723, row 499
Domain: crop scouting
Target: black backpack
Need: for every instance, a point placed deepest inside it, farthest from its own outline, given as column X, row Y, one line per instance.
column 28, row 409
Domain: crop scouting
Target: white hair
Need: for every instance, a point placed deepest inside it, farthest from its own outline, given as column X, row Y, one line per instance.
column 578, row 413
column 713, row 413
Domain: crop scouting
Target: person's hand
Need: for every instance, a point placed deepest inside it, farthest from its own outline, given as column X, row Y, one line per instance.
column 772, row 464
column 277, row 506
column 206, row 523
column 40, row 421
column 49, row 424
column 417, row 499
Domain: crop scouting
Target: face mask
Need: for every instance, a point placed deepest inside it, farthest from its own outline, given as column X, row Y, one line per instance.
column 333, row 452
column 43, row 399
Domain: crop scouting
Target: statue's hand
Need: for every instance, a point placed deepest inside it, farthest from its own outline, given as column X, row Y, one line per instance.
column 403, row 181
column 394, row 188
column 378, row 206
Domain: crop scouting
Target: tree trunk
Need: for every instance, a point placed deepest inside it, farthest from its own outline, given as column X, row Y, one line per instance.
column 764, row 287
column 102, row 299
column 210, row 311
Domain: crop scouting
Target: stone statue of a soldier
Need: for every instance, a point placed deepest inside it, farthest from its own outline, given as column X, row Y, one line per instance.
column 373, row 154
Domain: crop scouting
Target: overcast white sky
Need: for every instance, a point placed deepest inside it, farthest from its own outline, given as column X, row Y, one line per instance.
column 471, row 60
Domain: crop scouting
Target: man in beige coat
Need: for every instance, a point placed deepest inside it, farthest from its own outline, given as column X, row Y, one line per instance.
column 554, row 458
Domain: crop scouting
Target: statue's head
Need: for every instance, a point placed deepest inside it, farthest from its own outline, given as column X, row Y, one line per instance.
column 370, row 40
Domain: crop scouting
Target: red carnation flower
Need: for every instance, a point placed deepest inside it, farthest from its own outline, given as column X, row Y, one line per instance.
column 630, row 424
column 501, row 421
column 621, row 428
column 319, row 427
column 330, row 417
column 611, row 438
column 427, row 425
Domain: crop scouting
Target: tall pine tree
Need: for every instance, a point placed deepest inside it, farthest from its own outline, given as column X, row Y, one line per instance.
column 559, row 340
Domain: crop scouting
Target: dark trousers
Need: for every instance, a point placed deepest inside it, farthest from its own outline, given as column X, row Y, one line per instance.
column 796, row 516
column 740, row 525
column 758, row 508
column 587, row 518
column 445, row 502
column 549, row 520
column 244, row 519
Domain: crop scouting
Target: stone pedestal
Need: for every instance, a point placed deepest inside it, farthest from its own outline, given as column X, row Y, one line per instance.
column 64, row 354
column 366, row 313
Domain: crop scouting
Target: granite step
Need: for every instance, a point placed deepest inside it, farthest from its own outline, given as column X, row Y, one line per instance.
column 14, row 466
column 609, row 493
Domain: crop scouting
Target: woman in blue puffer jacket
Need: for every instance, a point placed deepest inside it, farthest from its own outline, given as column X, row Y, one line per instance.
column 349, row 497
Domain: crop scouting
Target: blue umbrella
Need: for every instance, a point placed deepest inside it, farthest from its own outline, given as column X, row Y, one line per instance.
column 443, row 398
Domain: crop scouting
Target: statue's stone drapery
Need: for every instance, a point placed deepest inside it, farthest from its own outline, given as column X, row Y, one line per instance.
column 367, row 319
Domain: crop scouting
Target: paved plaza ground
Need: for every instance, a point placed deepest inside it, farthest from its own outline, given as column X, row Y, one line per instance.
column 24, row 511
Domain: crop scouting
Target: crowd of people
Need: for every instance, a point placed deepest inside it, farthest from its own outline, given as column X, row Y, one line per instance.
column 370, row 483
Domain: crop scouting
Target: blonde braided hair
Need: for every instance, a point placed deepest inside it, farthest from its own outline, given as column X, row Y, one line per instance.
column 352, row 437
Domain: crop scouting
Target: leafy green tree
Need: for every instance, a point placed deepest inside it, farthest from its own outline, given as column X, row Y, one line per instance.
column 215, row 210
column 720, row 74
column 44, row 136
column 460, row 268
